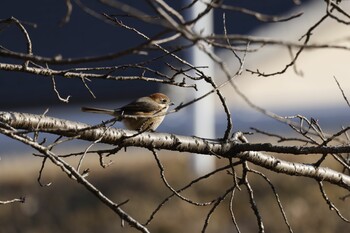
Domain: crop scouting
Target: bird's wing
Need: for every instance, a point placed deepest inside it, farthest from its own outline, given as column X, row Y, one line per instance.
column 139, row 107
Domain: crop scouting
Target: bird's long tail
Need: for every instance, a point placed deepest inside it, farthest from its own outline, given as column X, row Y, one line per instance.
column 99, row 110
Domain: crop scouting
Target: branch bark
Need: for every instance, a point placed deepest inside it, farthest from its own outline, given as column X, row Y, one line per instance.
column 80, row 75
column 228, row 149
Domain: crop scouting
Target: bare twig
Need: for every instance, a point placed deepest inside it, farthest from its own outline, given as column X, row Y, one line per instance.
column 215, row 205
column 25, row 33
column 276, row 197
column 64, row 100
column 186, row 187
column 66, row 18
column 41, row 172
column 330, row 203
column 342, row 91
column 162, row 175
column 87, row 87
column 252, row 200
column 21, row 200
column 307, row 36
column 232, row 213
column 259, row 16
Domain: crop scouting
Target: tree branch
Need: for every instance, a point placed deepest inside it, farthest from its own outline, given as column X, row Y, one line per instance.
column 74, row 174
column 20, row 200
column 229, row 149
column 78, row 74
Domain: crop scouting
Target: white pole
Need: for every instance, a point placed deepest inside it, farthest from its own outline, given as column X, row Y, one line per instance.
column 204, row 110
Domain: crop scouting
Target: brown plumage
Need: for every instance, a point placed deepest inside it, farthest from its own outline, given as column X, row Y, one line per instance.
column 144, row 114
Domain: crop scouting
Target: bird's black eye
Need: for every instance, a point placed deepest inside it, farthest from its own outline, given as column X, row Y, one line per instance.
column 164, row 101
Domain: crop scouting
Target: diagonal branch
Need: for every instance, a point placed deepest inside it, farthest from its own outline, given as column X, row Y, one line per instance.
column 74, row 174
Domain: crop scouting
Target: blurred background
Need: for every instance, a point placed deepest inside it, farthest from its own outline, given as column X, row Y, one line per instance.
column 66, row 207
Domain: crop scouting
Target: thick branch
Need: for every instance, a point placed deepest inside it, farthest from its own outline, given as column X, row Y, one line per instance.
column 124, row 138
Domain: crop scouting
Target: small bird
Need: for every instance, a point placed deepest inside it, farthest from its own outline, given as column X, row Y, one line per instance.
column 144, row 114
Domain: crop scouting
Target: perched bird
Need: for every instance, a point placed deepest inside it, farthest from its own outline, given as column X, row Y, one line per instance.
column 143, row 114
